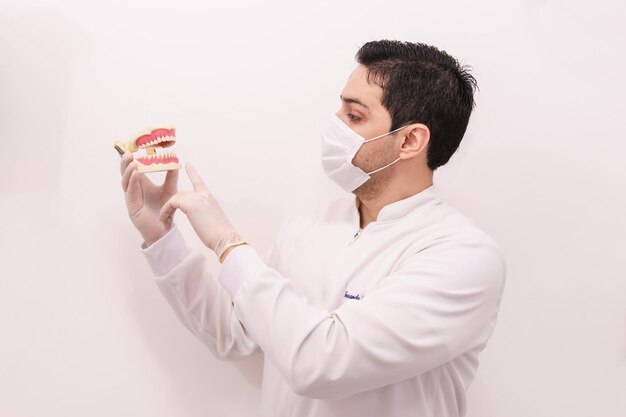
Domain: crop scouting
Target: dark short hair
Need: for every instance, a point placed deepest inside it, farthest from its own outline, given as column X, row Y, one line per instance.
column 422, row 84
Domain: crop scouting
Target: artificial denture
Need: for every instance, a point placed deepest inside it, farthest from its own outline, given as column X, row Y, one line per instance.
column 154, row 140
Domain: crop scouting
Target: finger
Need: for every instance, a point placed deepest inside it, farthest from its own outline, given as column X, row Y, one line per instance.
column 126, row 159
column 171, row 179
column 168, row 223
column 135, row 193
column 130, row 168
column 168, row 209
column 198, row 184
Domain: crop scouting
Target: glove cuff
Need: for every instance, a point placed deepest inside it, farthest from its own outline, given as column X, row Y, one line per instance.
column 223, row 244
column 243, row 242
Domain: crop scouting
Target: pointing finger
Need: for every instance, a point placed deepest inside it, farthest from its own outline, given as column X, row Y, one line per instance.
column 126, row 159
column 198, row 184
column 135, row 193
column 126, row 175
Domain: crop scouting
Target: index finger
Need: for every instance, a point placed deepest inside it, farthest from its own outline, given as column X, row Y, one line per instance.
column 198, row 184
column 127, row 158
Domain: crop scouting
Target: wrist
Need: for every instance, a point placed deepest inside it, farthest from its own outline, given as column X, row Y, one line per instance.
column 151, row 239
column 227, row 251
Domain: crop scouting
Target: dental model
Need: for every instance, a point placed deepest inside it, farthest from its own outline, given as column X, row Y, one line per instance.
column 151, row 139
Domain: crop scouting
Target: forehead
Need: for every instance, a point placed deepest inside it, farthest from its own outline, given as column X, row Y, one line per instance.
column 358, row 87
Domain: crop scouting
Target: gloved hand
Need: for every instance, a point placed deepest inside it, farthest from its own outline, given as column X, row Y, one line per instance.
column 144, row 199
column 204, row 213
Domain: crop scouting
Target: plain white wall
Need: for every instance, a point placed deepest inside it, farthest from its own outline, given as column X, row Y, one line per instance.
column 85, row 331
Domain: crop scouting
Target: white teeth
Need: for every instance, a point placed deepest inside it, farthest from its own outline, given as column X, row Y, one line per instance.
column 166, row 138
column 157, row 152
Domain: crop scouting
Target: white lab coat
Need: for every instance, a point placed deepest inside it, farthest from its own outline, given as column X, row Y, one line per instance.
column 389, row 323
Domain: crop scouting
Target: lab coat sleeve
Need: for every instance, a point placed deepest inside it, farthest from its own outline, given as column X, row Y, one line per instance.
column 436, row 305
column 200, row 303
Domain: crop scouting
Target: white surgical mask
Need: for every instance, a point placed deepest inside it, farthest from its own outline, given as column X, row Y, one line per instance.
column 339, row 146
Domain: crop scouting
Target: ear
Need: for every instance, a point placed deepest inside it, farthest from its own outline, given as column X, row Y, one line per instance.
column 417, row 136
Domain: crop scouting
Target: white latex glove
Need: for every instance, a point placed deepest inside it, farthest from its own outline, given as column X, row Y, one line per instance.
column 144, row 199
column 204, row 213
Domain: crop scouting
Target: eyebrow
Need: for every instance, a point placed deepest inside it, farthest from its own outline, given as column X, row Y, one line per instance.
column 353, row 100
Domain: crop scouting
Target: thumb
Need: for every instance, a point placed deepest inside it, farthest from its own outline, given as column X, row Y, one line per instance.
column 167, row 211
column 171, row 179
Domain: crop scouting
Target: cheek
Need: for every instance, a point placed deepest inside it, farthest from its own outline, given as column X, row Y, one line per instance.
column 367, row 153
column 360, row 156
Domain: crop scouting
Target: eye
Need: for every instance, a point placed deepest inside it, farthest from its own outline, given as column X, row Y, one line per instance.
column 353, row 117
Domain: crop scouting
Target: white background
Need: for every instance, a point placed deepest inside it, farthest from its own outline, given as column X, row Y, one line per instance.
column 83, row 329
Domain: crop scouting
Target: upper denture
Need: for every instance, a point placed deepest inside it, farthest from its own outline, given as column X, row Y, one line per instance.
column 156, row 136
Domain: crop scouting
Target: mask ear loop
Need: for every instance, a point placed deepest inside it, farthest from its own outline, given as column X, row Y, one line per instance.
column 384, row 134
column 377, row 137
column 376, row 170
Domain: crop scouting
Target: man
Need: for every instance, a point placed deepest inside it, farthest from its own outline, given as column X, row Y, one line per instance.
column 375, row 304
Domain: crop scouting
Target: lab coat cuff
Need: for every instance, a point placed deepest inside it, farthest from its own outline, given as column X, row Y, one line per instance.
column 241, row 263
column 167, row 252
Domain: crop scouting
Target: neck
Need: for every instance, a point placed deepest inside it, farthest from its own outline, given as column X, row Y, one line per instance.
column 370, row 208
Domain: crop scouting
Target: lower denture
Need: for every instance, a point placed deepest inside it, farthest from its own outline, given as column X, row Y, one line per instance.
column 158, row 160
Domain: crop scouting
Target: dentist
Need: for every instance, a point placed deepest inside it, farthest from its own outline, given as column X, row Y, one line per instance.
column 377, row 303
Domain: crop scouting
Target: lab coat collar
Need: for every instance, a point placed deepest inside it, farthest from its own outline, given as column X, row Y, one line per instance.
column 400, row 208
